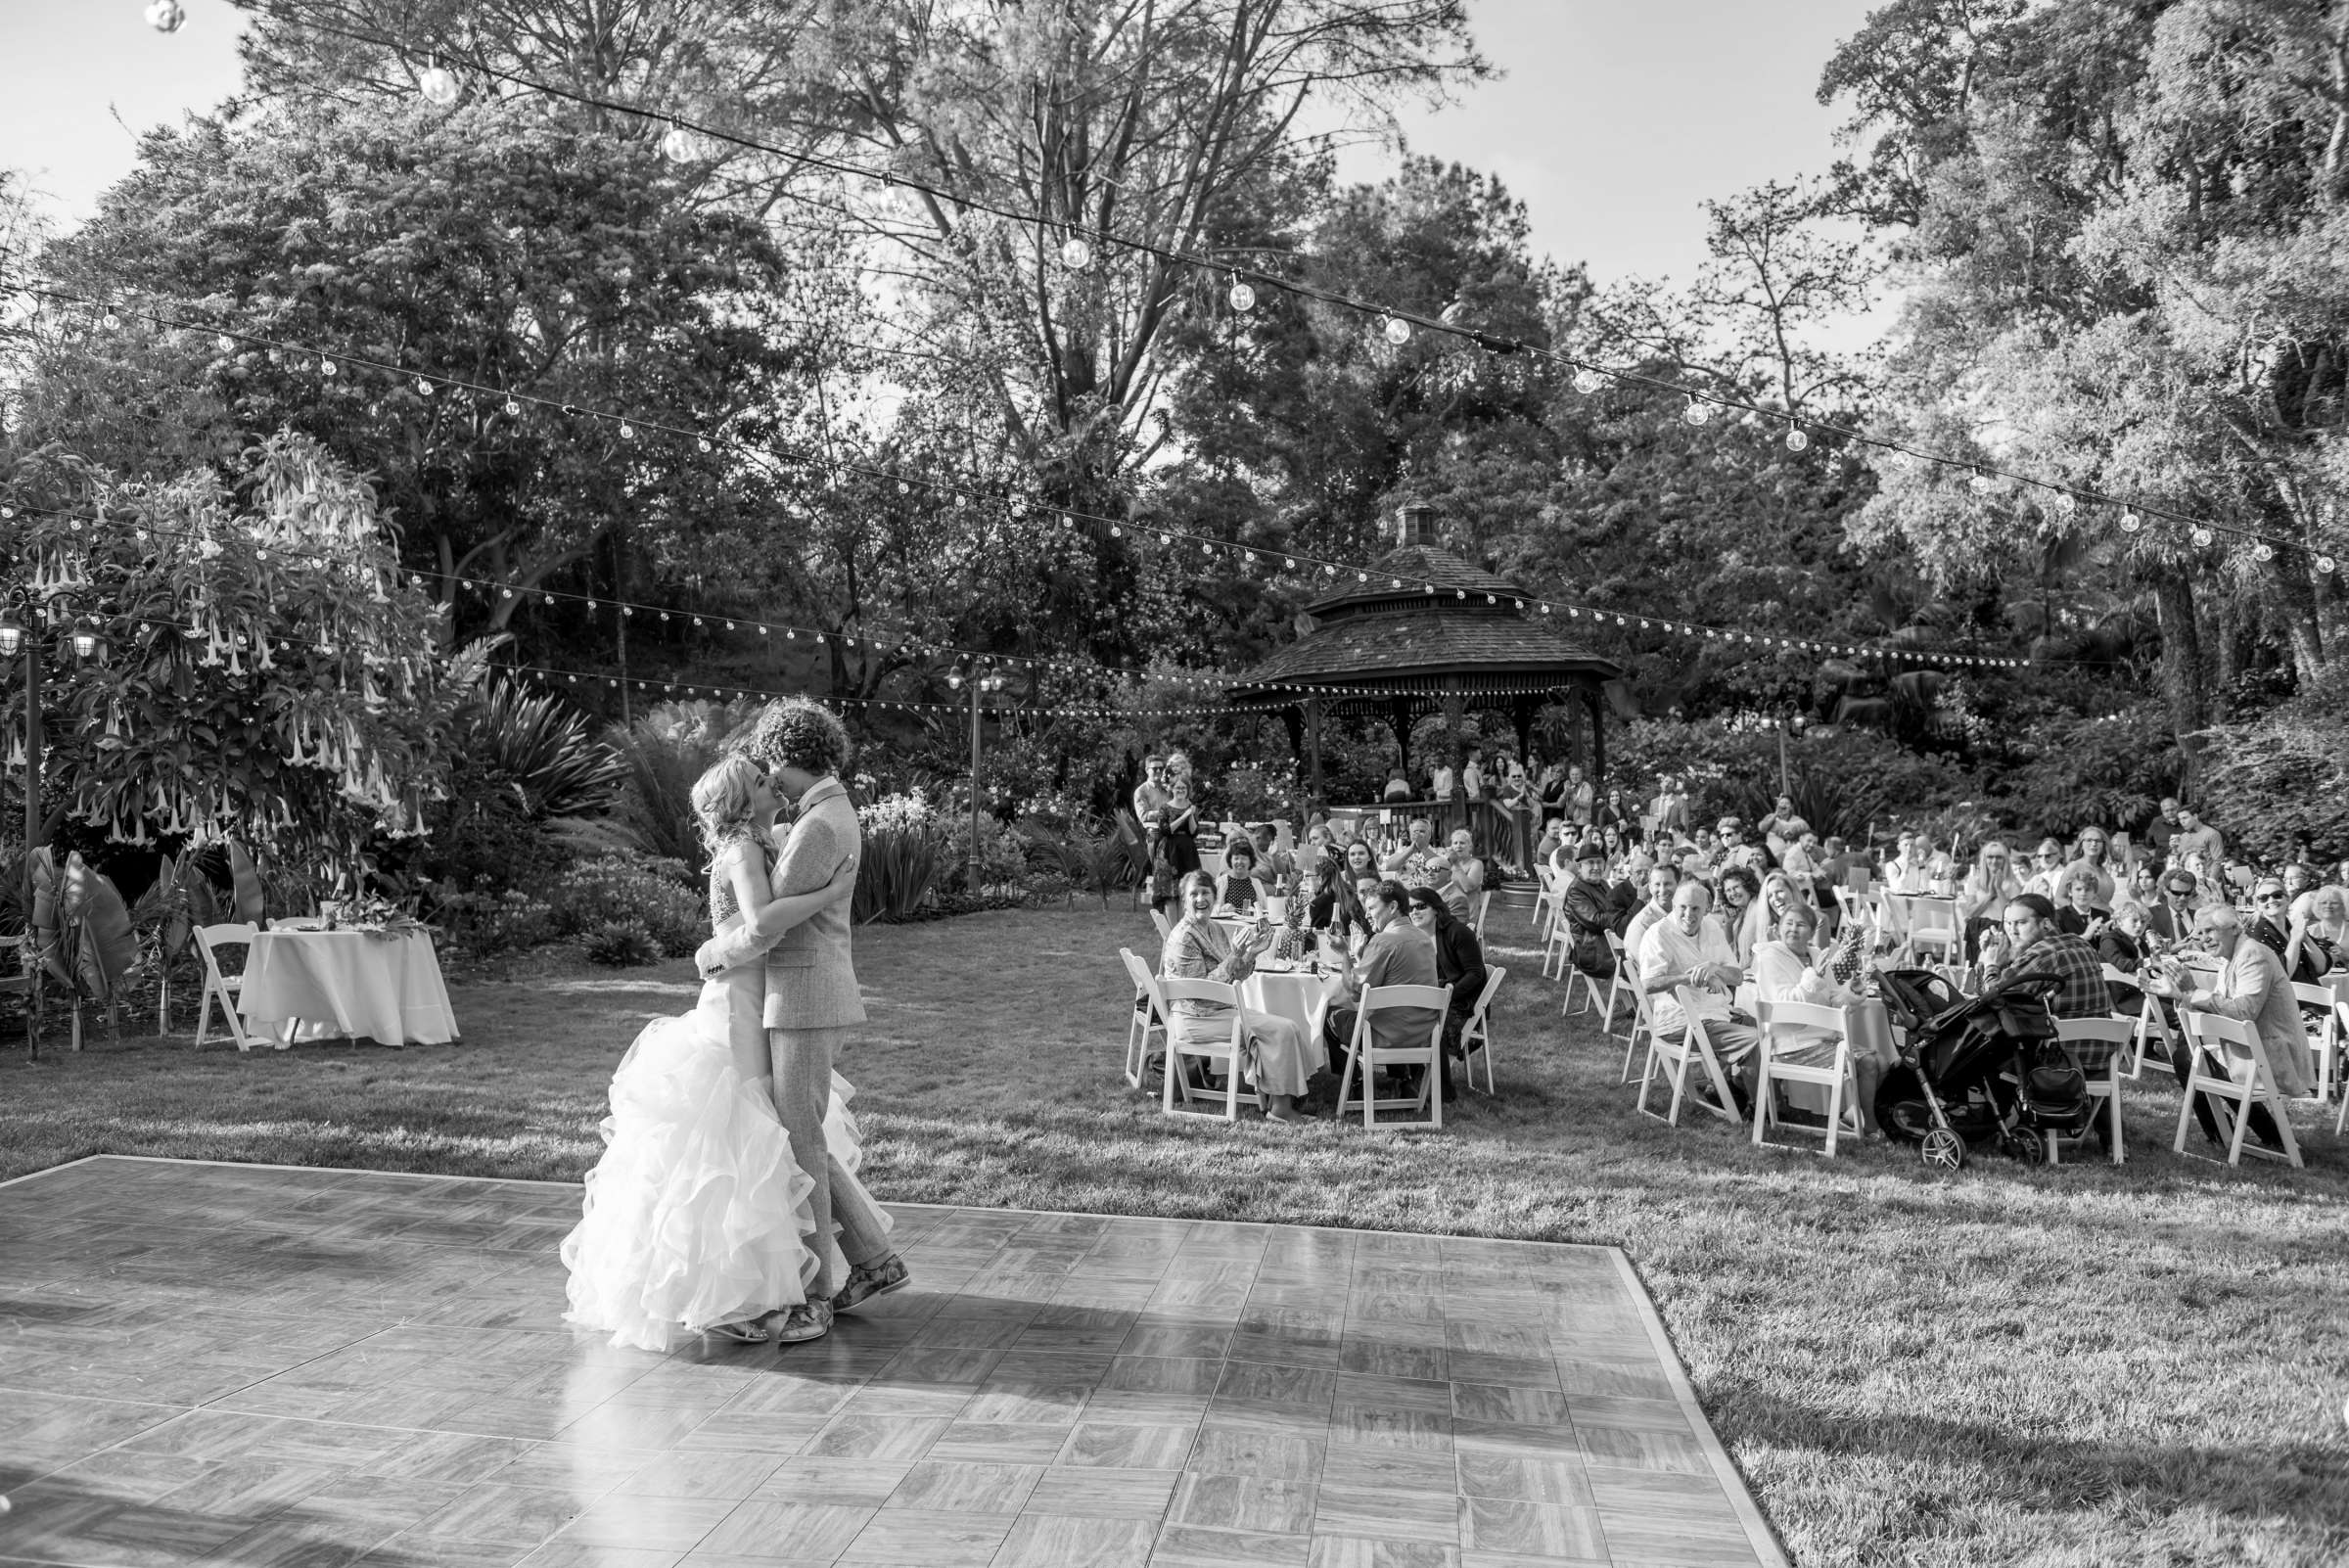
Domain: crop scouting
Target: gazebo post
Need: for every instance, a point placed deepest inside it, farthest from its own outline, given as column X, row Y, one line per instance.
column 1399, row 713
column 1521, row 714
column 1315, row 797
column 1598, row 742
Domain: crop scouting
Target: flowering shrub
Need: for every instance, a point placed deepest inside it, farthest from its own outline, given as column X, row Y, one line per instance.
column 486, row 923
column 621, row 886
column 1002, row 855
column 908, row 812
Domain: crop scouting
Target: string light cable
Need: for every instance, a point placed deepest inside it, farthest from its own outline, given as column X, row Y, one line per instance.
column 330, row 362
column 1397, row 324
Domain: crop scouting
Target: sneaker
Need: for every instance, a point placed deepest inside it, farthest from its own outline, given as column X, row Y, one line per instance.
column 808, row 1321
column 867, row 1280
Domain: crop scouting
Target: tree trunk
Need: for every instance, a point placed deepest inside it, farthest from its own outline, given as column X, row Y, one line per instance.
column 2182, row 684
column 2296, row 609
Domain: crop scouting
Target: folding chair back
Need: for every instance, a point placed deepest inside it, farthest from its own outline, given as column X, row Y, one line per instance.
column 1476, row 1034
column 1368, row 1056
column 1484, row 902
column 1933, row 923
column 1149, row 1013
column 1782, row 1024
column 1229, row 1052
column 2111, row 1039
column 2328, row 1033
column 2149, row 1025
column 1166, row 927
column 2230, row 1067
column 1643, row 1020
column 210, row 939
column 1694, row 1048
column 1626, row 978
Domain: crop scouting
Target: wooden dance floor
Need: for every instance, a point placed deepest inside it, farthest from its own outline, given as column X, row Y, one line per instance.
column 257, row 1367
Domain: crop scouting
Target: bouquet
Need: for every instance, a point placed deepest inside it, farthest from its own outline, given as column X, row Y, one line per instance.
column 374, row 915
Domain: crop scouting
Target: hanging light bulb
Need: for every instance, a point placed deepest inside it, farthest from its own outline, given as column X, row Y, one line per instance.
column 2327, row 564
column 703, row 443
column 1798, row 439
column 110, row 320
column 1075, row 254
column 2263, row 551
column 228, row 345
column 1395, row 329
column 513, row 408
column 167, row 16
column 1242, row 297
column 2064, row 502
column 1698, row 411
column 680, row 146
column 1588, row 381
column 424, row 388
column 2131, row 523
column 326, row 367
column 2201, row 537
column 1979, row 483
column 438, row 85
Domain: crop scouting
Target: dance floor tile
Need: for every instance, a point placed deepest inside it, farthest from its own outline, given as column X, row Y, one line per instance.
column 265, row 1368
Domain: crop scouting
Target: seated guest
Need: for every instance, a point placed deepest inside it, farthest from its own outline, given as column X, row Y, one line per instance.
column 2252, row 989
column 1689, row 949
column 1788, row 970
column 1783, row 828
column 2122, row 946
column 2303, row 960
column 1460, row 856
column 1589, row 907
column 2031, row 944
column 1459, row 964
column 2094, row 847
column 2327, row 924
column 1335, row 910
column 1277, row 863
column 2047, row 862
column 1905, row 872
column 1989, row 888
column 2172, row 920
column 2140, row 886
column 1780, row 893
column 2299, row 881
column 2080, row 915
column 1280, row 1058
column 1742, row 914
column 1661, row 881
column 1237, row 889
column 1398, row 953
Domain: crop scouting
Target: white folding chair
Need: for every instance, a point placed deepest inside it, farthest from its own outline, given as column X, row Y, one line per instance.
column 2148, row 1022
column 1166, row 927
column 226, row 987
column 1149, row 1013
column 1693, row 1046
column 1229, row 1053
column 1476, row 1033
column 1643, row 1020
column 1558, row 946
column 1545, row 901
column 1367, row 1057
column 2118, row 1034
column 1627, row 979
column 2327, row 1039
column 1484, row 902
column 2230, row 1067
column 1934, row 923
column 1779, row 1019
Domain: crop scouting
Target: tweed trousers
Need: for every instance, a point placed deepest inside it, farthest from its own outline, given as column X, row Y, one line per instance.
column 802, row 1068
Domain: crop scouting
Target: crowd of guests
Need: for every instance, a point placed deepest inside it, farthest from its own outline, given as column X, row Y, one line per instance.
column 1796, row 918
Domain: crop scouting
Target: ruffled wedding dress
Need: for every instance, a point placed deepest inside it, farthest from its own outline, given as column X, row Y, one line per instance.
column 697, row 1213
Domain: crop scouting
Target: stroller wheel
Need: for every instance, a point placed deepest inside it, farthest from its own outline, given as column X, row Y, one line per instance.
column 2027, row 1145
column 1943, row 1150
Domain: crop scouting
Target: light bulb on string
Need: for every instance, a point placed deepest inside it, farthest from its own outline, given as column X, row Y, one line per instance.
column 1798, row 439
column 167, row 16
column 513, row 408
column 1395, row 329
column 1697, row 412
column 1588, row 381
column 326, row 367
column 2201, row 537
column 628, row 432
column 1075, row 254
column 2325, row 563
column 424, row 388
column 703, row 442
column 1242, row 297
column 2131, row 523
column 680, row 146
column 110, row 320
column 438, row 84
column 1979, row 483
column 2263, row 551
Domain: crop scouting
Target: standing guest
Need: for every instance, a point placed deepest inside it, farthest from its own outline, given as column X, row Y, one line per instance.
column 1463, row 883
column 2093, row 849
column 1418, row 864
column 1786, row 969
column 2172, row 920
column 1151, row 801
column 1239, row 890
column 2080, row 915
column 813, row 1004
column 1671, row 808
column 1334, row 909
column 1552, row 788
column 1614, row 810
column 1461, row 846
column 1472, row 776
column 2252, row 989
column 1280, row 1058
column 2164, row 831
column 1523, row 805
column 1581, row 799
column 1689, row 949
column 1183, row 823
column 1398, row 787
column 1662, row 881
column 1459, row 964
column 1398, row 953
column 2196, row 836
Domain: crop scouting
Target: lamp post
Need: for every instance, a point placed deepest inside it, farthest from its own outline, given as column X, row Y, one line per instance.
column 979, row 680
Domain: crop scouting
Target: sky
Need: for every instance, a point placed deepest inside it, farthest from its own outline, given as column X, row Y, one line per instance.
column 1614, row 120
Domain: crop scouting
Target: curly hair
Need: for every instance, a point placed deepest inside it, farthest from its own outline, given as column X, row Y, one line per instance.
column 795, row 732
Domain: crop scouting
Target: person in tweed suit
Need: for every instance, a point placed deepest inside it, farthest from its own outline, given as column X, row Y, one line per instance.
column 813, row 1001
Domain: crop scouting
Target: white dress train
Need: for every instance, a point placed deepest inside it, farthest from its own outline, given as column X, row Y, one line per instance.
column 697, row 1212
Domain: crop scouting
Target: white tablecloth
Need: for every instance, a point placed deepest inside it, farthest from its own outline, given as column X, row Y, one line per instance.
column 1298, row 998
column 386, row 988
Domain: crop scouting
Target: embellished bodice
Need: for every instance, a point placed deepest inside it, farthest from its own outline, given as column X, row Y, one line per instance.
column 723, row 904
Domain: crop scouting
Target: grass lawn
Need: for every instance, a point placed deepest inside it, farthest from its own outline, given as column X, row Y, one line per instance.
column 2146, row 1364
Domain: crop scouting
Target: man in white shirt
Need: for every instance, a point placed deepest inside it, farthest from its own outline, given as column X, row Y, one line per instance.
column 1662, row 880
column 1472, row 775
column 2195, row 834
column 1905, row 872
column 1689, row 949
column 1439, row 782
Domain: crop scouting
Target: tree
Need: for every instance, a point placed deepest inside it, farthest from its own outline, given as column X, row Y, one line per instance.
column 272, row 674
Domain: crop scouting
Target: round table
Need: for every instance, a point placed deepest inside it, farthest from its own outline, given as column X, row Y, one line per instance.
column 1297, row 996
column 363, row 985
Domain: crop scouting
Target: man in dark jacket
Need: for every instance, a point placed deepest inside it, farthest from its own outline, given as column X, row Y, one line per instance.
column 1459, row 964
column 1591, row 910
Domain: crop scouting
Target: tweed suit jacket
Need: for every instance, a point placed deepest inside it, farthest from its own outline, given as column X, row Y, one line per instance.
column 810, row 980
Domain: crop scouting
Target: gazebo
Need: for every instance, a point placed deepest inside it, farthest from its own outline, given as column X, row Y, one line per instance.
column 1400, row 653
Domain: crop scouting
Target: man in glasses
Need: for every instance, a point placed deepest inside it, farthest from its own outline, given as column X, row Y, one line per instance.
column 2173, row 919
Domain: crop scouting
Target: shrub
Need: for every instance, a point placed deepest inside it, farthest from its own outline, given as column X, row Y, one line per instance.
column 2283, row 775
column 486, row 923
column 661, row 755
column 896, row 875
column 536, row 748
column 656, row 893
column 1002, row 852
column 621, row 944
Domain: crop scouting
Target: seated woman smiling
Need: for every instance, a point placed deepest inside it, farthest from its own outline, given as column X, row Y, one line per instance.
column 1238, row 890
column 1281, row 1057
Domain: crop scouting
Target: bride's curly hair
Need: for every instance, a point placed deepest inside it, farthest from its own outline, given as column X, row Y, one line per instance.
column 795, row 732
column 721, row 802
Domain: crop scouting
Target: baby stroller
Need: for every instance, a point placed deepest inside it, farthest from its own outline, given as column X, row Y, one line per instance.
column 1981, row 1067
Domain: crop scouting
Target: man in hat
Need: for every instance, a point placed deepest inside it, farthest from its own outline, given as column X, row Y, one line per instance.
column 1589, row 906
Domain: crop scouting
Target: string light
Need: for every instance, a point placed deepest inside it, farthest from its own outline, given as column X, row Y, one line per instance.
column 1798, row 439
column 1242, row 297
column 1588, row 381
column 2201, row 537
column 680, row 146
column 1697, row 412
column 1395, row 329
column 437, row 85
column 1075, row 254
column 167, row 16
column 2131, row 523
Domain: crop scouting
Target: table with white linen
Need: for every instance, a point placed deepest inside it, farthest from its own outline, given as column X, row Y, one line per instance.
column 1298, row 995
column 364, row 984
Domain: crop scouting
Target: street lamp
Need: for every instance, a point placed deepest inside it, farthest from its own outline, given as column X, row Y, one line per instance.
column 980, row 680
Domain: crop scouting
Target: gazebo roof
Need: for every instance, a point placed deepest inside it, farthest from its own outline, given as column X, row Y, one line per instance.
column 1413, row 567
column 1480, row 650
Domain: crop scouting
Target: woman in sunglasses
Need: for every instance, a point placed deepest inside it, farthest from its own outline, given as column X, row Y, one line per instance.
column 2272, row 922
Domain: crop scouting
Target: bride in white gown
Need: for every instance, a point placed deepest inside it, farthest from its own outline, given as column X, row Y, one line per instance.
column 697, row 1218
